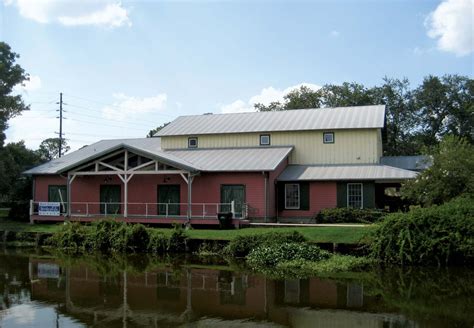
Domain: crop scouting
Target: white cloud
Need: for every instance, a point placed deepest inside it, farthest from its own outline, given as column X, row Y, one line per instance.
column 109, row 13
column 34, row 83
column 334, row 33
column 266, row 96
column 124, row 106
column 451, row 23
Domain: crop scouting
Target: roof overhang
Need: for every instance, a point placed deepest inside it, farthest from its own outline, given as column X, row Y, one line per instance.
column 361, row 172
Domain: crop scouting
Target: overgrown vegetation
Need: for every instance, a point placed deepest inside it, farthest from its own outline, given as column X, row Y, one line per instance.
column 113, row 236
column 349, row 215
column 289, row 254
column 450, row 175
column 438, row 235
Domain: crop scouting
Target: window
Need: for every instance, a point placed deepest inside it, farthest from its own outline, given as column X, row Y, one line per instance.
column 58, row 194
column 292, row 196
column 354, row 195
column 328, row 137
column 264, row 140
column 193, row 142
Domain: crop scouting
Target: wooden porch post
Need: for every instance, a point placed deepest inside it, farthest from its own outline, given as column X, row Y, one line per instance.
column 70, row 179
column 190, row 191
column 125, row 182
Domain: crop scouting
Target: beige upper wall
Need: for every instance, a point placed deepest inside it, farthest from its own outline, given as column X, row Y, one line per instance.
column 350, row 147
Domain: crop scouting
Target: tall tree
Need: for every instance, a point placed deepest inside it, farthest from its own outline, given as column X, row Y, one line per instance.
column 11, row 74
column 16, row 158
column 400, row 115
column 49, row 148
column 346, row 94
column 449, row 176
column 152, row 132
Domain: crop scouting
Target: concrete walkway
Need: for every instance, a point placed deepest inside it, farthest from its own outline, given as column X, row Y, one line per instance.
column 349, row 225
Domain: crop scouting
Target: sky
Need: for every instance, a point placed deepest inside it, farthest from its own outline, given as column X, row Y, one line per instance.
column 127, row 67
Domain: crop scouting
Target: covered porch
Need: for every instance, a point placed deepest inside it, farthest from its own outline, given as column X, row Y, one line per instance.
column 134, row 186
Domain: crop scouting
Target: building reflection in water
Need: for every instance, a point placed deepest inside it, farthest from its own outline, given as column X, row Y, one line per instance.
column 169, row 297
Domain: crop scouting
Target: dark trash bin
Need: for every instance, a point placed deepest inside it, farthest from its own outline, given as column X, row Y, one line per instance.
column 225, row 220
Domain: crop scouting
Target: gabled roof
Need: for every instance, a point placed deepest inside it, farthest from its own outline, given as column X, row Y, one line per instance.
column 150, row 147
column 358, row 117
column 212, row 160
column 234, row 159
column 413, row 163
column 344, row 172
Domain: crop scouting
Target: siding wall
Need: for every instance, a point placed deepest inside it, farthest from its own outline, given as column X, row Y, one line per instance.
column 321, row 195
column 351, row 146
column 144, row 189
column 368, row 191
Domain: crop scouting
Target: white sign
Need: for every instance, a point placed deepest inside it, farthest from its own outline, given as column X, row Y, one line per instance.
column 48, row 270
column 49, row 209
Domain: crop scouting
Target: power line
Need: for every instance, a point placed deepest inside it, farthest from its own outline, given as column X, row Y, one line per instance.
column 106, row 124
column 110, row 105
column 147, row 124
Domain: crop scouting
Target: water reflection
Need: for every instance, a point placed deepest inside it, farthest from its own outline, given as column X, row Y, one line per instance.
column 59, row 292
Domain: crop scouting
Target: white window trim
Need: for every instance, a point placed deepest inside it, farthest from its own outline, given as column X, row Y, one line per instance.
column 324, row 139
column 361, row 194
column 299, row 197
column 265, row 144
column 189, row 140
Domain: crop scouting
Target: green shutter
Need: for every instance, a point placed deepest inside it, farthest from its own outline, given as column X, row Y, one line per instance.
column 304, row 196
column 369, row 195
column 281, row 196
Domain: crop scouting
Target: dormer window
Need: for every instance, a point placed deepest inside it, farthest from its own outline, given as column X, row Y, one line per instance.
column 328, row 137
column 192, row 142
column 264, row 140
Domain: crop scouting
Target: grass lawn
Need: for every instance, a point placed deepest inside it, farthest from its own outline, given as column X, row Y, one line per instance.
column 337, row 234
column 14, row 225
column 346, row 235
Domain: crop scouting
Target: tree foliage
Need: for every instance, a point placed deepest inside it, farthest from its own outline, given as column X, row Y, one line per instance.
column 11, row 74
column 450, row 175
column 14, row 159
column 152, row 132
column 49, row 148
column 414, row 117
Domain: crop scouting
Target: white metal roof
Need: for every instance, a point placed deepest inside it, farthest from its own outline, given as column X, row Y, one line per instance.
column 234, row 159
column 413, row 163
column 357, row 117
column 344, row 172
column 147, row 146
column 231, row 159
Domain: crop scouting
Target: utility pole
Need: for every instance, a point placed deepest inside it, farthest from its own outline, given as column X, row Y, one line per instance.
column 60, row 123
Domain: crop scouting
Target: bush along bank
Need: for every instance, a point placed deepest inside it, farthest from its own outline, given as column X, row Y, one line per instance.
column 289, row 254
column 112, row 236
column 438, row 235
column 349, row 215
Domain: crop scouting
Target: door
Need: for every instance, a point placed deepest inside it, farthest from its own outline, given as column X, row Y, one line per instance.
column 169, row 194
column 58, row 194
column 110, row 197
column 234, row 193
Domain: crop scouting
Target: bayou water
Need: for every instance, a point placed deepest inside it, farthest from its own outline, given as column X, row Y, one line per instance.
column 45, row 290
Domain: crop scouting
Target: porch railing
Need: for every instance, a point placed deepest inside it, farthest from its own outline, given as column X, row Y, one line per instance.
column 147, row 210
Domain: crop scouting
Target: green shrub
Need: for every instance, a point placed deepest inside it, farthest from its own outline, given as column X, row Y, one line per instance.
column 72, row 236
column 137, row 237
column 349, row 215
column 158, row 242
column 100, row 236
column 265, row 256
column 437, row 235
column 241, row 246
column 177, row 240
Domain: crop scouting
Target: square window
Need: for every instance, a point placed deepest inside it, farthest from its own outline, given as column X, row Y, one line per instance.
column 292, row 196
column 264, row 140
column 328, row 137
column 193, row 142
column 355, row 195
